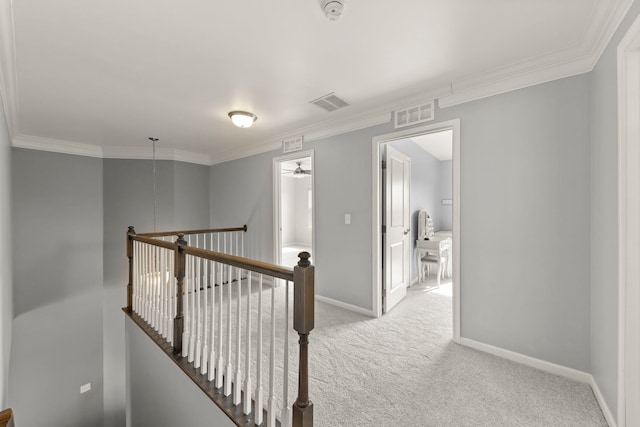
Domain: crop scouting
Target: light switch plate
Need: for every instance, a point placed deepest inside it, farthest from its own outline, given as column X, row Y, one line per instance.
column 85, row 388
column 347, row 219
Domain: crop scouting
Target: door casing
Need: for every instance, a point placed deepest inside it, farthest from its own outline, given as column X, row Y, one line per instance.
column 376, row 227
column 277, row 214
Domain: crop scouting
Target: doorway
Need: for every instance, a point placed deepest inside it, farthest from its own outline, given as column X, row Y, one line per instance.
column 452, row 126
column 629, row 227
column 294, row 231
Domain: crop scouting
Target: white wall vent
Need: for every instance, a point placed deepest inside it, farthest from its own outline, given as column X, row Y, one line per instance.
column 413, row 115
column 292, row 144
column 330, row 102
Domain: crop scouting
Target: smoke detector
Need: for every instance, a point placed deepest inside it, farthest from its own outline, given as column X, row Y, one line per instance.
column 332, row 9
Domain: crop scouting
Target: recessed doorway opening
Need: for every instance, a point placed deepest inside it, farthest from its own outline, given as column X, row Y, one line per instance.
column 294, row 229
column 382, row 260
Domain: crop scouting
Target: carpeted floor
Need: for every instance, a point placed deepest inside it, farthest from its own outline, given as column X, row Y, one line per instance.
column 403, row 370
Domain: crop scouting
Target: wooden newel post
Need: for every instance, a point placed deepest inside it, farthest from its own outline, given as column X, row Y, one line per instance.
column 130, row 233
column 178, row 322
column 303, row 322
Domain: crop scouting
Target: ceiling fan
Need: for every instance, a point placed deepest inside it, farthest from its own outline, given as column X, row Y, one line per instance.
column 298, row 172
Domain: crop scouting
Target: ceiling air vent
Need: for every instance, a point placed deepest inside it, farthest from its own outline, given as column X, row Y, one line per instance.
column 330, row 102
column 412, row 115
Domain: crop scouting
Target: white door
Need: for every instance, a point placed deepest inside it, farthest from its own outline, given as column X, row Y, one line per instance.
column 396, row 227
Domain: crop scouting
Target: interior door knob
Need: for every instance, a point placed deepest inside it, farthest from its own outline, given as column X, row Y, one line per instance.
column 406, row 232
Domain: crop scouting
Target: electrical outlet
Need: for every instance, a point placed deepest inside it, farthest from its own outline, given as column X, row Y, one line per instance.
column 85, row 388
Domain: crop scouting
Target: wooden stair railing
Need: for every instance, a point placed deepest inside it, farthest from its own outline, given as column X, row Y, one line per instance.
column 6, row 418
column 202, row 271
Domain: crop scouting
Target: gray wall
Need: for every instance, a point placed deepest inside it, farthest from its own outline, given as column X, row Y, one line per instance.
column 155, row 385
column 6, row 285
column 57, row 329
column 525, row 200
column 128, row 200
column 525, row 217
column 182, row 203
column 604, row 217
column 342, row 184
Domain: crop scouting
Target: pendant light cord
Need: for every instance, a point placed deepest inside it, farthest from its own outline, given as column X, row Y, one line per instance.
column 154, row 140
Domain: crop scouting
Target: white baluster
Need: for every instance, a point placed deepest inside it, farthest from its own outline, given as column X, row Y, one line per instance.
column 285, row 418
column 237, row 388
column 172, row 295
column 247, row 352
column 220, row 367
column 271, row 411
column 136, row 277
column 228, row 371
column 186, row 335
column 155, row 288
column 198, row 343
column 192, row 329
column 147, row 272
column 259, row 392
column 212, row 319
column 161, row 292
column 205, row 311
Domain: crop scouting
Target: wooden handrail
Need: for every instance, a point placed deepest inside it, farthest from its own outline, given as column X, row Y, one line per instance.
column 6, row 418
column 243, row 263
column 302, row 276
column 236, row 261
column 187, row 232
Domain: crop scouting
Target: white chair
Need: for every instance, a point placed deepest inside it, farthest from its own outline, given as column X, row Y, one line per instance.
column 439, row 260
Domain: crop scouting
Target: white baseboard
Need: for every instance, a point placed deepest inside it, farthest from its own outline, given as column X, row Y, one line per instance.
column 603, row 403
column 552, row 368
column 345, row 305
column 545, row 366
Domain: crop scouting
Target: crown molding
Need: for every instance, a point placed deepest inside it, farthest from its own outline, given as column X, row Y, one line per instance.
column 311, row 133
column 579, row 59
column 8, row 79
column 145, row 153
column 57, row 146
column 108, row 152
column 374, row 116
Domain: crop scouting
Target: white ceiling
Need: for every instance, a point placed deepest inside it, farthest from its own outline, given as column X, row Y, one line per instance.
column 111, row 73
column 438, row 144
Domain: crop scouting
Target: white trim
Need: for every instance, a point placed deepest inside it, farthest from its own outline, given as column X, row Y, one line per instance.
column 531, row 71
column 552, row 368
column 8, row 74
column 277, row 235
column 350, row 307
column 608, row 415
column 108, row 152
column 144, row 153
column 313, row 132
column 543, row 365
column 57, row 146
column 377, row 217
column 628, row 226
column 579, row 59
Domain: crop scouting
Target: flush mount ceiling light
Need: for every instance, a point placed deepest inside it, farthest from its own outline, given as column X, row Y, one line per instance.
column 242, row 119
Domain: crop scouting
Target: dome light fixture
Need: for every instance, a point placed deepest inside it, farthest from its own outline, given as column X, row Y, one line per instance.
column 242, row 119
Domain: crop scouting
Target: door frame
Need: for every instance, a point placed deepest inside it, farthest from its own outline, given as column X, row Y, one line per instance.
column 628, row 223
column 277, row 214
column 376, row 227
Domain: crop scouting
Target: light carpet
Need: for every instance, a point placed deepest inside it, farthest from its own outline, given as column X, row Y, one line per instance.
column 403, row 370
